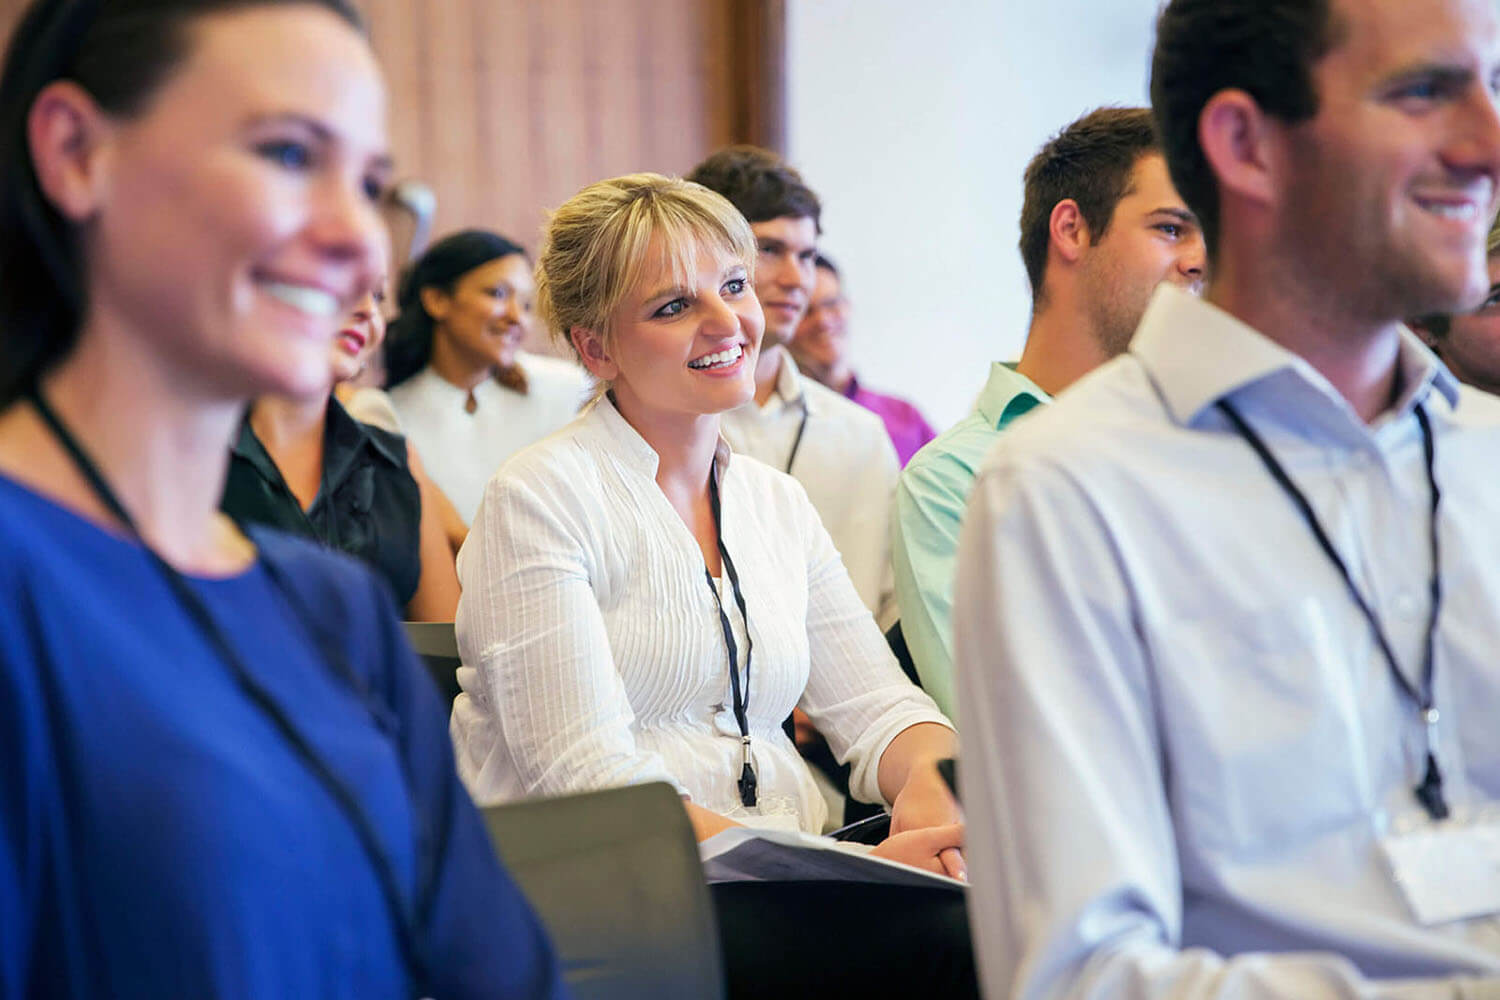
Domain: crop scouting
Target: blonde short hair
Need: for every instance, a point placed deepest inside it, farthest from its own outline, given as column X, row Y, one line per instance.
column 594, row 248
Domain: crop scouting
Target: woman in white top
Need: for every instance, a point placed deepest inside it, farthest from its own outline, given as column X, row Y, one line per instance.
column 606, row 565
column 467, row 396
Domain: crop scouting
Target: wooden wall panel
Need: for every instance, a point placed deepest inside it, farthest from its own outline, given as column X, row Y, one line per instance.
column 509, row 106
column 506, row 107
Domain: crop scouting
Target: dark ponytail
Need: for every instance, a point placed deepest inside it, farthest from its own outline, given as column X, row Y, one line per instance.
column 120, row 52
column 408, row 343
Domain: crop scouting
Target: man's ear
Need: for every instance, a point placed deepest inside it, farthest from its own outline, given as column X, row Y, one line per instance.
column 69, row 135
column 596, row 359
column 1067, row 232
column 1238, row 141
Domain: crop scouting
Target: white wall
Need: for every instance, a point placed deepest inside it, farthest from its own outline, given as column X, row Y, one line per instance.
column 913, row 121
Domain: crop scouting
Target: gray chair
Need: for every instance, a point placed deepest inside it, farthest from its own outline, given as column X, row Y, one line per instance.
column 438, row 648
column 616, row 880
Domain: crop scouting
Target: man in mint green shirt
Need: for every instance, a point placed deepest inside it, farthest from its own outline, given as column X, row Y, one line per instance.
column 1101, row 227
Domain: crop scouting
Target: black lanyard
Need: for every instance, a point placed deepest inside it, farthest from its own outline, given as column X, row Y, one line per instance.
column 1430, row 791
column 797, row 441
column 741, row 695
column 340, row 791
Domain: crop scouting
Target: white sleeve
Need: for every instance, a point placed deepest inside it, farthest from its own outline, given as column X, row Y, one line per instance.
column 546, row 699
column 1075, row 891
column 856, row 694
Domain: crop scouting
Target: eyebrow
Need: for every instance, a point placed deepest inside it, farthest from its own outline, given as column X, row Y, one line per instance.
column 672, row 292
column 682, row 291
column 1182, row 215
column 1446, row 75
column 777, row 243
column 383, row 161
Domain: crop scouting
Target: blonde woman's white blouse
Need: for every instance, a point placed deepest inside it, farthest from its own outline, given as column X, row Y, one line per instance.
column 593, row 650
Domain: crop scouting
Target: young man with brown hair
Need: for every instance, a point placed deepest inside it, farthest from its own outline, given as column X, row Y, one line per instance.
column 836, row 449
column 1225, row 616
column 1101, row 227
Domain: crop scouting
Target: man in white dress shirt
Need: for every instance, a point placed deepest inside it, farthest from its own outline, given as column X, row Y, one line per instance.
column 835, row 448
column 1226, row 613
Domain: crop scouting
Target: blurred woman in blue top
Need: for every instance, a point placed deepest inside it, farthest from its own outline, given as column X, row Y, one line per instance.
column 224, row 775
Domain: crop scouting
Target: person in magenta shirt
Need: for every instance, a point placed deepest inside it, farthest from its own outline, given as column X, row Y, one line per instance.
column 821, row 348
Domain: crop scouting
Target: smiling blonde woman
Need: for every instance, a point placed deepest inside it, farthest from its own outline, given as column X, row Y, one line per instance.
column 640, row 604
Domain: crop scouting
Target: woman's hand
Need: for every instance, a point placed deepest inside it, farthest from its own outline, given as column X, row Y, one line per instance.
column 935, row 849
column 925, row 803
column 924, row 800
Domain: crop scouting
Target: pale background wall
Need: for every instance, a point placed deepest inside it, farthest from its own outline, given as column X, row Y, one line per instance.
column 913, row 121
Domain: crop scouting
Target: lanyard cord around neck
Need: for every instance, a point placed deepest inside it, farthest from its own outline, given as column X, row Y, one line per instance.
column 797, row 441
column 262, row 699
column 1430, row 791
column 747, row 781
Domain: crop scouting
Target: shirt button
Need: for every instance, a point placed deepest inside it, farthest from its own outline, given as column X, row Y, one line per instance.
column 1407, row 605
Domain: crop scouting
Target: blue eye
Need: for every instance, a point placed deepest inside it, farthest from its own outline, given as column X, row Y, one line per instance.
column 673, row 308
column 735, row 286
column 286, row 153
column 374, row 188
column 1171, row 229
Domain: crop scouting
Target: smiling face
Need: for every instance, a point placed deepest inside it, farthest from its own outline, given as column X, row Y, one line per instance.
column 1386, row 193
column 1471, row 347
column 1152, row 237
column 684, row 348
column 821, row 345
column 236, row 223
column 784, row 277
column 484, row 318
column 360, row 336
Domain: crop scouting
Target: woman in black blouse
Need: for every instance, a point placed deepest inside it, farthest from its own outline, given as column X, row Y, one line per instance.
column 306, row 466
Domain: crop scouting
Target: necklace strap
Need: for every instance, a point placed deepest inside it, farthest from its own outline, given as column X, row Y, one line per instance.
column 194, row 606
column 1429, row 791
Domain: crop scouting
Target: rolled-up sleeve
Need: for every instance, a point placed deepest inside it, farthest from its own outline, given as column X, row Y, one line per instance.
column 856, row 695
column 544, row 710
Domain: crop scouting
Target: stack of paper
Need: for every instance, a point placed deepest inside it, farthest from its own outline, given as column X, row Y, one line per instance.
column 743, row 854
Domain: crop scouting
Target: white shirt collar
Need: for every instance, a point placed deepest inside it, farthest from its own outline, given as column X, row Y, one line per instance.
column 789, row 382
column 1197, row 354
column 626, row 444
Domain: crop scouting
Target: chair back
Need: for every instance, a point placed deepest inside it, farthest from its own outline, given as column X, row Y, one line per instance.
column 436, row 644
column 615, row 878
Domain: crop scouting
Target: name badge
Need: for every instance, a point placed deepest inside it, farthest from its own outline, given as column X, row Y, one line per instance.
column 1449, row 870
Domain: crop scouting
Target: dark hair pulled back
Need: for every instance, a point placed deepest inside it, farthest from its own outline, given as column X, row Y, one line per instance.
column 408, row 344
column 120, row 52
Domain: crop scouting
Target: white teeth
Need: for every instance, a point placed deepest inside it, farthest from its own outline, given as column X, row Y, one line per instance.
column 1465, row 212
column 719, row 359
column 313, row 301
